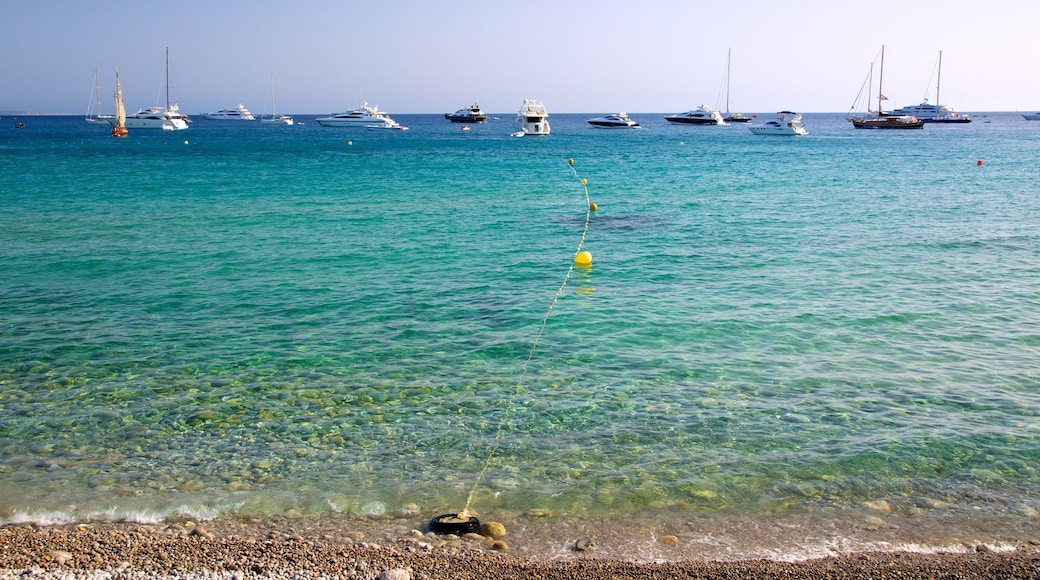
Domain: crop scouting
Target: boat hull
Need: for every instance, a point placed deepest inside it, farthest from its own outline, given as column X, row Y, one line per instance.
column 887, row 124
column 692, row 121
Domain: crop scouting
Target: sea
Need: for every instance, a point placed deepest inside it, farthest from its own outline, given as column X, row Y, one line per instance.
column 782, row 346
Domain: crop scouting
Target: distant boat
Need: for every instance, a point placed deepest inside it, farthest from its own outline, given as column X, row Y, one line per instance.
column 621, row 120
column 882, row 120
column 788, row 123
column 1031, row 116
column 366, row 116
column 532, row 119
column 239, row 113
column 119, row 128
column 275, row 119
column 732, row 117
column 702, row 115
column 470, row 114
column 94, row 105
column 937, row 113
column 167, row 119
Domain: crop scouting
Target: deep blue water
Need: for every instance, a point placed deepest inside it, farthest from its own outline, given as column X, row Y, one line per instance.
column 243, row 318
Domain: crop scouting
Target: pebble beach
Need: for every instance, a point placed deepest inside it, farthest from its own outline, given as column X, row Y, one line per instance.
column 379, row 549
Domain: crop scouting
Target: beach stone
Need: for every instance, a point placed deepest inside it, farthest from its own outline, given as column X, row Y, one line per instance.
column 494, row 530
column 396, row 574
column 670, row 540
column 584, row 545
column 60, row 556
column 881, row 505
column 499, row 546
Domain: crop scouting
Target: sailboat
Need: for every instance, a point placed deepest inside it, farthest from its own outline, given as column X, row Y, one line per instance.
column 95, row 101
column 732, row 117
column 884, row 120
column 937, row 113
column 168, row 119
column 119, row 129
column 275, row 119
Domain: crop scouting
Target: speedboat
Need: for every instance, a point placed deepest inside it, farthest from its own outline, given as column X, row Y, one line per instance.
column 532, row 119
column 1031, row 116
column 702, row 115
column 169, row 119
column 930, row 113
column 617, row 120
column 470, row 114
column 365, row 116
column 786, row 123
column 239, row 113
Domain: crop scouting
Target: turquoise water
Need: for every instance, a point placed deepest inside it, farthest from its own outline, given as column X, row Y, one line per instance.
column 323, row 321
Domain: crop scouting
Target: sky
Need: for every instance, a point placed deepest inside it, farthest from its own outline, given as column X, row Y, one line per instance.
column 595, row 56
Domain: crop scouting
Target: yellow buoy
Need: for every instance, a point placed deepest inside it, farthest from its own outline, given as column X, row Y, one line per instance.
column 583, row 259
column 570, row 161
column 584, row 181
column 682, row 143
column 593, row 207
column 350, row 142
column 185, row 142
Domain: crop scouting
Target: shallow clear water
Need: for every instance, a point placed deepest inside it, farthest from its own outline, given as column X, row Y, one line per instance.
column 326, row 321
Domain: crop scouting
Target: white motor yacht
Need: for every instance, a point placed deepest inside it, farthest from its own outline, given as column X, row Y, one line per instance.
column 621, row 120
column 702, row 115
column 239, row 113
column 786, row 123
column 169, row 119
column 532, row 119
column 930, row 113
column 367, row 117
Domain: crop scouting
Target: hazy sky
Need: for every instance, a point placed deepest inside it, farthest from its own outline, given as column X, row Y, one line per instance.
column 434, row 56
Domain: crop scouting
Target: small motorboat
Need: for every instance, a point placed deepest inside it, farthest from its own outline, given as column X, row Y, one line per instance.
column 621, row 120
column 786, row 123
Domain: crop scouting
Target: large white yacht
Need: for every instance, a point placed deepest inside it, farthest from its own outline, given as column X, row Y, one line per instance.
column 239, row 113
column 930, row 113
column 168, row 119
column 365, row 116
column 532, row 119
column 786, row 123
column 702, row 115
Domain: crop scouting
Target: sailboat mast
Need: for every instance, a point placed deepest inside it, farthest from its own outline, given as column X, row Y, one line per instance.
column 729, row 58
column 881, row 80
column 938, row 82
column 167, row 78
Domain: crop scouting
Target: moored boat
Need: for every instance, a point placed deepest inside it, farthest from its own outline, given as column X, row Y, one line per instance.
column 275, row 118
column 366, row 116
column 532, row 119
column 937, row 113
column 470, row 114
column 787, row 123
column 617, row 120
column 95, row 116
column 168, row 119
column 882, row 120
column 239, row 113
column 702, row 115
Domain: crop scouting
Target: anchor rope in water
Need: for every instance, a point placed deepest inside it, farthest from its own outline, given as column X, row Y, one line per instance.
column 534, row 346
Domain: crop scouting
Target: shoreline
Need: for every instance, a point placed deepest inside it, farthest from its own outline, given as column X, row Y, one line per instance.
column 251, row 548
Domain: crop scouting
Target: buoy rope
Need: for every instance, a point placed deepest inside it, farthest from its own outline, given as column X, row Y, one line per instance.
column 496, row 442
